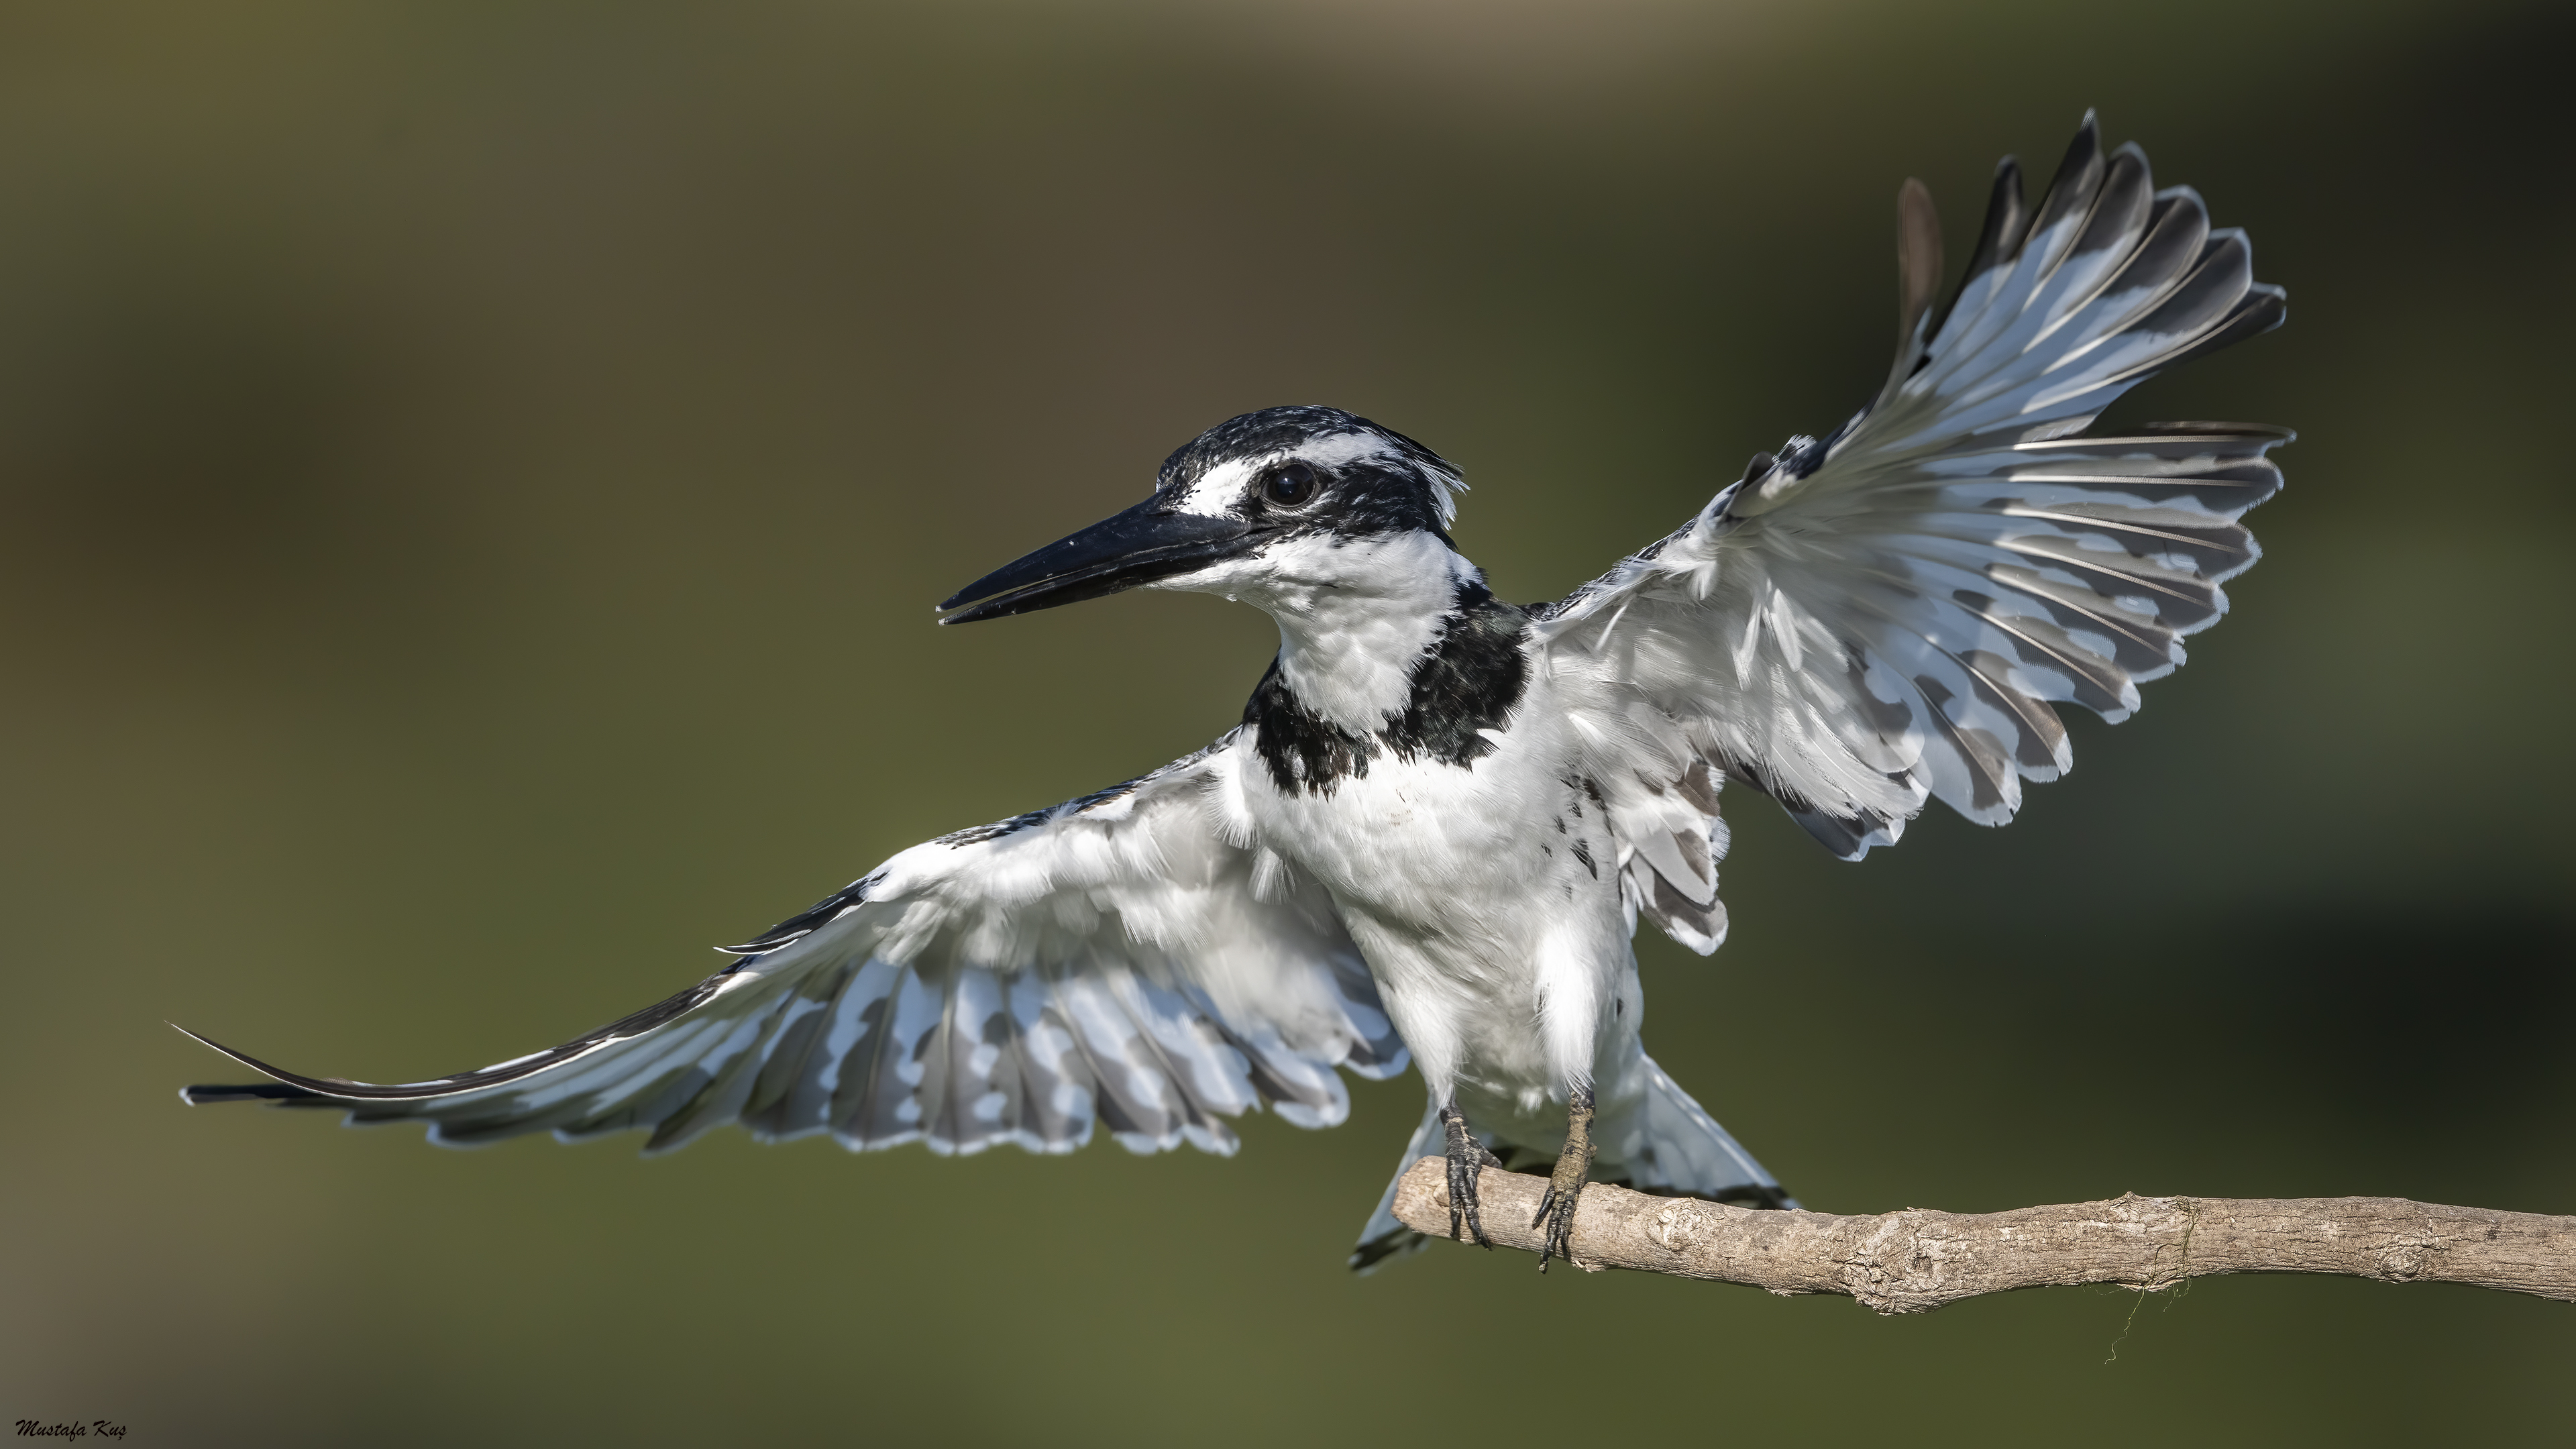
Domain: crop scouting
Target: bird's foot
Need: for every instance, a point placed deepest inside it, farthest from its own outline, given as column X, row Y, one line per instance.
column 1467, row 1157
column 1565, row 1185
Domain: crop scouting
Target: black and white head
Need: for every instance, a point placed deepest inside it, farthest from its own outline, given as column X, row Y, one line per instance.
column 1287, row 508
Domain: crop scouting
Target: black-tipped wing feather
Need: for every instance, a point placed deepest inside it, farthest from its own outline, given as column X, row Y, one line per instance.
column 1109, row 961
column 1890, row 615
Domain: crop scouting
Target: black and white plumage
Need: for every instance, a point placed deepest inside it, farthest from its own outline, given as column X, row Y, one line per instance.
column 1434, row 831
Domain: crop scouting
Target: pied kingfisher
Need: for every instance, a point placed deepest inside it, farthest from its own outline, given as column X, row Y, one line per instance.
column 1434, row 831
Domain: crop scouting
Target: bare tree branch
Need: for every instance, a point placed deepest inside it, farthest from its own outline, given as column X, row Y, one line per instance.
column 1917, row 1260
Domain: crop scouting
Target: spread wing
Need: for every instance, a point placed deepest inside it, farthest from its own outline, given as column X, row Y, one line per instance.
column 1888, row 615
column 1114, row 958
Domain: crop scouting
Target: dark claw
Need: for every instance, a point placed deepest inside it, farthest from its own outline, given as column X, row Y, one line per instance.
column 1565, row 1185
column 1467, row 1157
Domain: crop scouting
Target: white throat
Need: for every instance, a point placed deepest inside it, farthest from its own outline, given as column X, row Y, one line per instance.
column 1355, row 615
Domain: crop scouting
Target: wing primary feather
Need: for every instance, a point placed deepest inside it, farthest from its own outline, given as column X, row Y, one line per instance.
column 669, row 1009
column 975, row 990
column 1979, row 557
column 2078, row 180
column 1998, row 242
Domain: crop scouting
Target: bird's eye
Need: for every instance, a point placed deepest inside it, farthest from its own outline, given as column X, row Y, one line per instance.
column 1291, row 485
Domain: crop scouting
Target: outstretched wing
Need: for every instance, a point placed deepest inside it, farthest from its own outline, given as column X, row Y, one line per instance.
column 1114, row 958
column 1887, row 615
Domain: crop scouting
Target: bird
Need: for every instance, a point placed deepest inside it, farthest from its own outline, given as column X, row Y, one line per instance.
column 1433, row 835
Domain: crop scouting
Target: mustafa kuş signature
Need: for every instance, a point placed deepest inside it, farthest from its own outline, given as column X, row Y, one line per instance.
column 72, row 1429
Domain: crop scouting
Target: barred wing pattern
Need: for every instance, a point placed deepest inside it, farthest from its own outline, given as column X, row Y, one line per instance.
column 1670, row 837
column 1111, row 959
column 1886, row 616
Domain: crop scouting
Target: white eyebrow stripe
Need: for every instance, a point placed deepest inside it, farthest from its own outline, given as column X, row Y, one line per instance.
column 1221, row 488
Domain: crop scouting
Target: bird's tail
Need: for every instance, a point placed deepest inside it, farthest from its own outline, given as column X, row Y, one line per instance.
column 1384, row 1237
column 1662, row 1142
column 1671, row 1146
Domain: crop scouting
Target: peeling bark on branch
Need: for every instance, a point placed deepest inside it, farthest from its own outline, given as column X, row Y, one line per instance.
column 1917, row 1260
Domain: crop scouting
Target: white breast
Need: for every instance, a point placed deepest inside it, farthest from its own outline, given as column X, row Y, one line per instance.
column 1498, row 947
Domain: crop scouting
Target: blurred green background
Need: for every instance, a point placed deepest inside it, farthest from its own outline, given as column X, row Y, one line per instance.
column 473, row 478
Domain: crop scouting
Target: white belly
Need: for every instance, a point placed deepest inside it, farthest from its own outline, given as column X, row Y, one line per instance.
column 1485, row 898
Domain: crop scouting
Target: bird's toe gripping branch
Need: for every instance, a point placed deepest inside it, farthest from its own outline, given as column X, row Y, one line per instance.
column 1467, row 1157
column 1565, row 1185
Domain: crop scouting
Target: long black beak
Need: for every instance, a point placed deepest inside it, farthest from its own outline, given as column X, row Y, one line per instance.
column 1138, row 546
